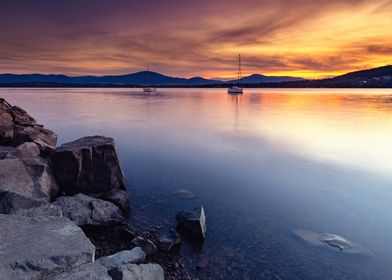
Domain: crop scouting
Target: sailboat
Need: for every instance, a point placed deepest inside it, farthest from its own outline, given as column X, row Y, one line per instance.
column 237, row 89
column 148, row 88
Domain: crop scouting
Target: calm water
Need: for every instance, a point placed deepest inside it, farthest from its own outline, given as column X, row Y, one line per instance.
column 262, row 164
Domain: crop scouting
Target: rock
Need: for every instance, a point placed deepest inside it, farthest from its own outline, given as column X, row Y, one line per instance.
column 193, row 222
column 147, row 245
column 25, row 150
column 184, row 193
column 88, row 165
column 43, row 210
column 136, row 255
column 119, row 198
column 45, row 139
column 86, row 210
column 169, row 240
column 25, row 183
column 138, row 272
column 88, row 271
column 39, row 247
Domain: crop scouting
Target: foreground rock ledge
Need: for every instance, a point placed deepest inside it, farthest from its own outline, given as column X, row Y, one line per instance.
column 39, row 247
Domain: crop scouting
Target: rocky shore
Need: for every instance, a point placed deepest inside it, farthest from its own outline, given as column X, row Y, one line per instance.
column 64, row 210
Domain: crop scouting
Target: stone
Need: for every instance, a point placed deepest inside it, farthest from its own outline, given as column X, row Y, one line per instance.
column 169, row 240
column 20, row 116
column 41, row 247
column 118, row 197
column 42, row 210
column 86, row 210
column 136, row 255
column 25, row 150
column 45, row 139
column 6, row 132
column 88, row 271
column 138, row 272
column 25, row 183
column 193, row 222
column 146, row 244
column 88, row 165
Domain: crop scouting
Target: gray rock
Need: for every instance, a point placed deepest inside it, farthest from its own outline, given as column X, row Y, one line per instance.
column 169, row 240
column 88, row 271
column 45, row 139
column 136, row 255
column 119, row 198
column 193, row 222
column 88, row 165
column 43, row 210
column 25, row 183
column 86, row 210
column 138, row 272
column 23, row 151
column 39, row 247
column 146, row 244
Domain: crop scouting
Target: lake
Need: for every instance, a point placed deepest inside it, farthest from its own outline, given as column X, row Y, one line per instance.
column 264, row 165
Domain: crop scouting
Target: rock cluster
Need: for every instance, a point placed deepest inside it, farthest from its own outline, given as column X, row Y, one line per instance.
column 46, row 193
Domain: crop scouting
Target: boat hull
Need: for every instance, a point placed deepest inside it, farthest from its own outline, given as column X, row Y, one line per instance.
column 149, row 89
column 235, row 90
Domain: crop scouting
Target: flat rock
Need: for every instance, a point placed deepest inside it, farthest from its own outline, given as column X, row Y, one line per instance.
column 136, row 255
column 88, row 271
column 332, row 241
column 193, row 222
column 39, row 247
column 25, row 183
column 88, row 165
column 138, row 272
column 86, row 210
column 146, row 244
column 42, row 210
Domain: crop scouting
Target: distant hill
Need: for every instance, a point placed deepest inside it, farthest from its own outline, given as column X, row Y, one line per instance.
column 258, row 79
column 134, row 79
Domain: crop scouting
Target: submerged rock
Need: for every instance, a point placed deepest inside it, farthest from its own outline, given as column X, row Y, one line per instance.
column 25, row 183
column 136, row 255
column 184, row 193
column 138, row 272
column 40, row 247
column 332, row 241
column 169, row 240
column 86, row 210
column 193, row 222
column 88, row 165
column 146, row 244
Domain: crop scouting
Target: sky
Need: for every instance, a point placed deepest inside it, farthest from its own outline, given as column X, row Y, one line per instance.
column 186, row 38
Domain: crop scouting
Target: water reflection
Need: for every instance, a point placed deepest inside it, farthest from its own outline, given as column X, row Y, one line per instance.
column 262, row 164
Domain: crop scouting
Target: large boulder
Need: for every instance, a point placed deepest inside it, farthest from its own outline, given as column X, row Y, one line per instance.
column 25, row 183
column 25, row 150
column 88, row 165
column 89, row 271
column 18, row 127
column 148, row 271
column 41, row 247
column 86, row 210
column 136, row 255
column 193, row 222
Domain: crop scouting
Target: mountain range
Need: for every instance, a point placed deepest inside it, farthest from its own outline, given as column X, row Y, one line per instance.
column 376, row 77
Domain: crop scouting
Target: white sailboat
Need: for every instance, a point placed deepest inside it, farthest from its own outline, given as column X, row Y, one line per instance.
column 237, row 89
column 148, row 88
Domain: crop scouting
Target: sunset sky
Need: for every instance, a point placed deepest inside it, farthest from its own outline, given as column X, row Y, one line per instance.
column 187, row 38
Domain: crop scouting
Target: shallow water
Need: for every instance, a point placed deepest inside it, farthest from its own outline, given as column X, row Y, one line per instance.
column 263, row 165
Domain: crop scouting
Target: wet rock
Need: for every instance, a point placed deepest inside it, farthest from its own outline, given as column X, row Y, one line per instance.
column 147, row 245
column 88, row 165
column 25, row 183
column 138, row 272
column 184, row 193
column 41, row 247
column 136, row 255
column 169, row 240
column 86, row 210
column 43, row 210
column 192, row 222
column 89, row 271
column 118, row 197
column 336, row 241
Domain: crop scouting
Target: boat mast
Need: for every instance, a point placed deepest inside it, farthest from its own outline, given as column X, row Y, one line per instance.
column 148, row 74
column 239, row 81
